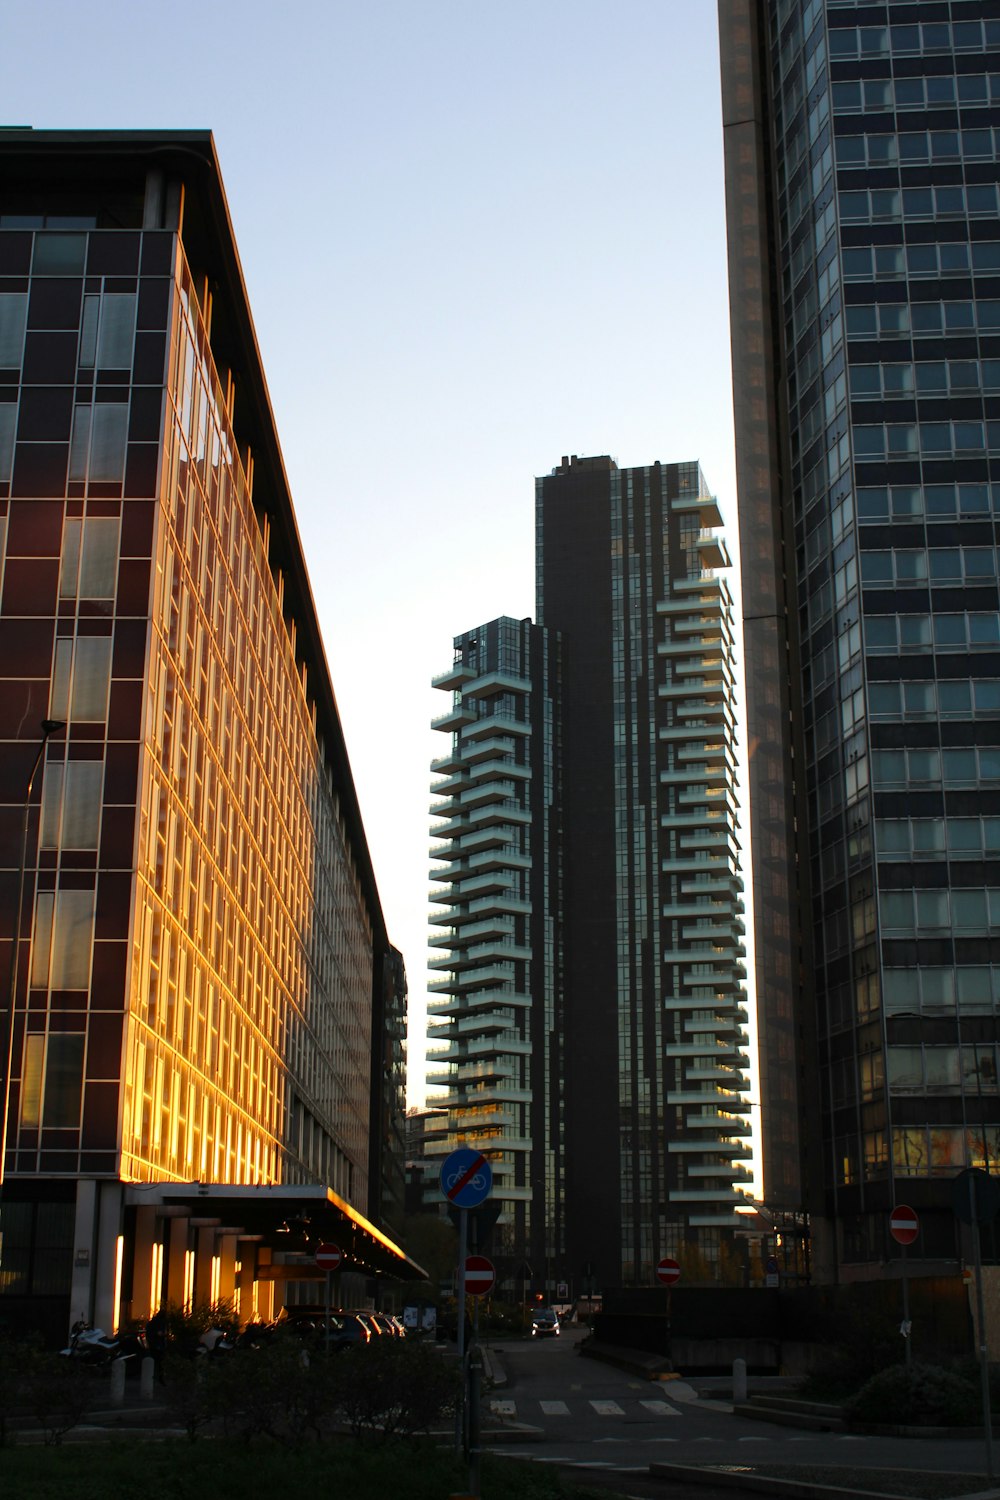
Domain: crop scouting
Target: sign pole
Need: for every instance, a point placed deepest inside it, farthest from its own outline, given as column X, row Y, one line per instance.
column 329, row 1305
column 906, row 1306
column 463, row 1241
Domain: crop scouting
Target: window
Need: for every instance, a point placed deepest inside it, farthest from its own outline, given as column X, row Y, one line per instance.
column 97, row 445
column 63, row 1081
column 63, row 938
column 81, row 677
column 71, row 804
column 13, row 314
column 89, row 565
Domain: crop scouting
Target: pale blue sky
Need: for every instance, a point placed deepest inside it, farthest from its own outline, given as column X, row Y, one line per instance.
column 475, row 237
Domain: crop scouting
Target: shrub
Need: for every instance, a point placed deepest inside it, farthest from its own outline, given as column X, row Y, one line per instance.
column 394, row 1388
column 920, row 1395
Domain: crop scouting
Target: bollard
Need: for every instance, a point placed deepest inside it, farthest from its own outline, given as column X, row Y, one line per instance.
column 739, row 1381
column 147, row 1374
column 118, row 1382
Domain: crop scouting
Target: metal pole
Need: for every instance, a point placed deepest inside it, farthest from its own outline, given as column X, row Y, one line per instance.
column 329, row 1304
column 984, row 1368
column 463, row 1243
column 49, row 727
column 906, row 1308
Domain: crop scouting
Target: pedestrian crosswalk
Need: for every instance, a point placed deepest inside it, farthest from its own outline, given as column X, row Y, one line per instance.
column 525, row 1410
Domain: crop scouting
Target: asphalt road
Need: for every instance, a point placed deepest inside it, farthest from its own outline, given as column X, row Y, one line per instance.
column 591, row 1415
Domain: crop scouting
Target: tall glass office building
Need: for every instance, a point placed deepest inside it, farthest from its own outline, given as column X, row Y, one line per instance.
column 864, row 221
column 203, row 1013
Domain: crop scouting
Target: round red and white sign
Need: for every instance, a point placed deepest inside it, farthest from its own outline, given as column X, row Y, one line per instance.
column 668, row 1271
column 479, row 1276
column 904, row 1226
column 328, row 1257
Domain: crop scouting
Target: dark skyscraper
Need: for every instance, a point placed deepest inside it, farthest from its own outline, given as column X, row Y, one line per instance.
column 654, row 1015
column 862, row 191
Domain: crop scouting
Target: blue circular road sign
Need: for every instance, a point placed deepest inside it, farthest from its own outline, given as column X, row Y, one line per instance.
column 466, row 1177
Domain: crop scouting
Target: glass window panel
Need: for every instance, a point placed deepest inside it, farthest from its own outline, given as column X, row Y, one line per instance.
column 91, row 679
column 905, row 1069
column 893, row 835
column 13, row 315
column 914, row 630
column 63, row 1081
column 902, row 437
column 911, row 567
column 960, row 767
column 883, row 699
column 945, row 564
column 79, row 442
column 972, row 88
column 947, row 1150
column 71, row 804
column 941, row 1067
column 31, row 1082
column 109, row 428
column 865, row 380
column 876, row 567
column 938, row 986
column 897, row 378
column 88, row 331
column 979, row 1068
column 964, row 836
column 909, row 93
column 989, row 764
column 918, row 697
column 909, row 1151
column 927, row 317
column 928, row 837
column 69, row 564
column 932, row 376
column 906, row 501
column 72, row 940
column 41, row 942
column 114, row 347
column 924, row 765
column 974, row 987
column 8, row 424
column 969, row 908
column 59, row 254
column 918, row 203
column 984, row 630
column 954, row 698
column 932, row 909
column 982, row 200
column 959, row 316
column 61, row 671
column 897, row 911
column 99, row 558
column 987, row 695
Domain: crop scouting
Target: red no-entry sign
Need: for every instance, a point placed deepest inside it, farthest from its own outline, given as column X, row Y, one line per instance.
column 668, row 1271
column 479, row 1276
column 904, row 1226
column 328, row 1257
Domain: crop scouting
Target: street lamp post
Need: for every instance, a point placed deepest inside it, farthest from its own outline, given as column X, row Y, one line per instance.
column 49, row 728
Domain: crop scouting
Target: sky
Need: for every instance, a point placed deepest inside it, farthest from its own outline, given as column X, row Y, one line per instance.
column 475, row 237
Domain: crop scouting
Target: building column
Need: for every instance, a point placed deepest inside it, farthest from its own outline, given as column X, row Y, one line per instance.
column 107, row 1281
column 248, row 1293
column 265, row 1289
column 176, row 1257
column 144, row 1298
column 204, row 1256
column 226, row 1249
column 81, row 1303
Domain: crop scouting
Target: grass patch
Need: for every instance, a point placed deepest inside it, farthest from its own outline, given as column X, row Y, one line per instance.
column 178, row 1470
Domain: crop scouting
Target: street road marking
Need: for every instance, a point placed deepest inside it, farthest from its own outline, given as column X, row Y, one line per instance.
column 554, row 1408
column 660, row 1408
column 503, row 1408
column 754, row 1440
column 607, row 1408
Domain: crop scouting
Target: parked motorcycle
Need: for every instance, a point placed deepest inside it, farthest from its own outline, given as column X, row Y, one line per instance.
column 96, row 1350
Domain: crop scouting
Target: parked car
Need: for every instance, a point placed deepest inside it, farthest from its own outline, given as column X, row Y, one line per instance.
column 544, row 1321
column 347, row 1329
